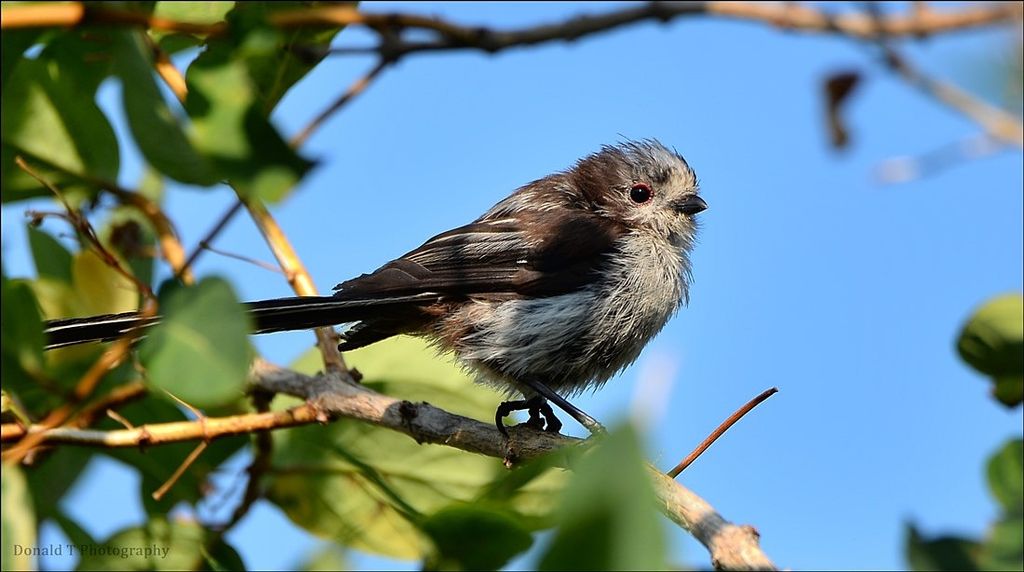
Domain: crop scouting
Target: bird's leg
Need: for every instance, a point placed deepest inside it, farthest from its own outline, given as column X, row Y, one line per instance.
column 535, row 407
column 540, row 407
column 505, row 408
column 576, row 413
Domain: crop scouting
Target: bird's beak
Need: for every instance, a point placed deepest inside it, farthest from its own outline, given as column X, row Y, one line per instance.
column 691, row 205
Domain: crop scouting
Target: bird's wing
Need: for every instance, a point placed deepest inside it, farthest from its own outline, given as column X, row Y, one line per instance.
column 534, row 253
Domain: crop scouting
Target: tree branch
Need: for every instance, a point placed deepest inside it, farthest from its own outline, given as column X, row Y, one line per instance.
column 328, row 396
column 787, row 14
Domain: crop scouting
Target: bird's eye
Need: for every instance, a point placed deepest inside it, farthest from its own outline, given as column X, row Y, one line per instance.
column 640, row 193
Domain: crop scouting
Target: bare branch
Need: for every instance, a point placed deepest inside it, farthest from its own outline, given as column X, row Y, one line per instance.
column 207, row 240
column 722, row 428
column 1000, row 124
column 164, row 488
column 351, row 93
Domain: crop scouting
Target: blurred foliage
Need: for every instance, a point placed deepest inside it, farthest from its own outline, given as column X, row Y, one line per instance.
column 992, row 342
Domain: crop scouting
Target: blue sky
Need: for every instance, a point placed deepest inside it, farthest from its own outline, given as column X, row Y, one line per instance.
column 846, row 294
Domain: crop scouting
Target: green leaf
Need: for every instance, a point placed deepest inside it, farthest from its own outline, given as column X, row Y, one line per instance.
column 74, row 531
column 54, row 475
column 18, row 520
column 228, row 125
column 101, row 289
column 161, row 545
column 943, row 553
column 191, row 12
column 156, row 130
column 14, row 44
column 532, row 487
column 992, row 342
column 49, row 113
column 475, row 537
column 277, row 68
column 350, row 482
column 200, row 350
column 608, row 518
column 50, row 256
column 22, row 336
column 1004, row 547
column 1006, row 476
column 328, row 557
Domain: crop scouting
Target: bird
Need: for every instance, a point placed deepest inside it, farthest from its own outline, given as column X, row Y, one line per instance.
column 551, row 292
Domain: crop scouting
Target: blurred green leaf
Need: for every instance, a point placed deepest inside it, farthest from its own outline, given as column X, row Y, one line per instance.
column 228, row 124
column 532, row 487
column 608, row 518
column 49, row 114
column 53, row 475
column 475, row 537
column 155, row 128
column 22, row 336
column 992, row 342
column 14, row 43
column 49, row 255
column 101, row 289
column 161, row 545
column 192, row 12
column 276, row 69
column 200, row 351
column 74, row 531
column 18, row 520
column 940, row 554
column 1006, row 476
column 1004, row 547
column 320, row 481
column 327, row 557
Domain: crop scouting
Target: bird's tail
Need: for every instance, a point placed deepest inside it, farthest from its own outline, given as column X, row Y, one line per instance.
column 277, row 315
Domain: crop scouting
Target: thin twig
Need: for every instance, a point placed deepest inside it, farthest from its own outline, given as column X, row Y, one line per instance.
column 164, row 488
column 81, row 224
column 207, row 240
column 1000, row 124
column 297, row 275
column 120, row 419
column 722, row 428
column 165, row 69
column 344, row 99
column 257, row 468
column 243, row 258
column 117, row 397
